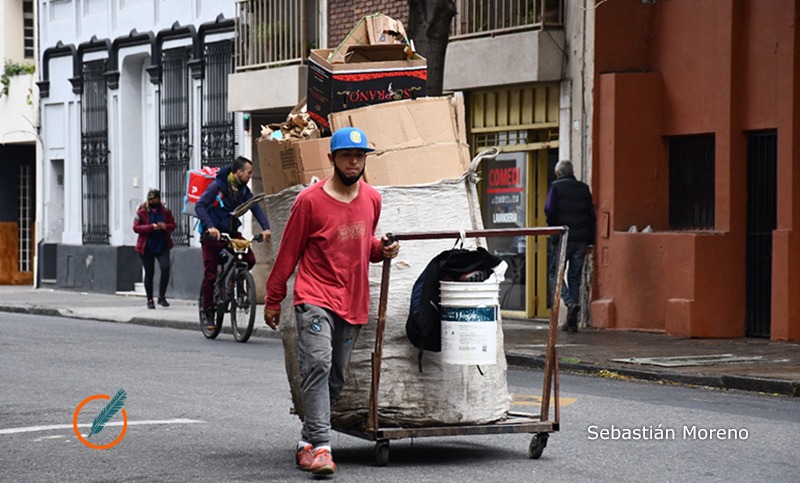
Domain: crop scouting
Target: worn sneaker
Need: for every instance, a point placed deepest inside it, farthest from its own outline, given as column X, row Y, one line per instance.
column 150, row 304
column 210, row 316
column 162, row 301
column 305, row 457
column 323, row 462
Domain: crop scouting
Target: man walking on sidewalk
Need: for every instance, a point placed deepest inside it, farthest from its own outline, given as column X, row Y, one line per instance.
column 330, row 232
column 569, row 202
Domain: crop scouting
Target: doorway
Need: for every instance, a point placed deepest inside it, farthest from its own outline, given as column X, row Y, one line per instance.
column 762, row 160
column 523, row 123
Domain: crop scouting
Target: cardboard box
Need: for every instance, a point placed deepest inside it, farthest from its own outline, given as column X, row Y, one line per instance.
column 370, row 30
column 337, row 87
column 416, row 141
column 285, row 163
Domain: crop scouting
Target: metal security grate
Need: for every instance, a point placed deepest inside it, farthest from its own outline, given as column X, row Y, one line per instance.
column 217, row 138
column 173, row 135
column 487, row 17
column 691, row 182
column 94, row 153
column 275, row 33
column 762, row 159
column 25, row 218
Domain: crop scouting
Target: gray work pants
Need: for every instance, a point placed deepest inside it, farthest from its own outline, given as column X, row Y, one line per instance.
column 325, row 342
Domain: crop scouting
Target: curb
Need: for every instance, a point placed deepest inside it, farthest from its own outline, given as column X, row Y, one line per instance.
column 183, row 325
column 143, row 321
column 46, row 312
column 742, row 383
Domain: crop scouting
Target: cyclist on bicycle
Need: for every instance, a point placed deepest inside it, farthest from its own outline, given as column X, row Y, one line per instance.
column 214, row 209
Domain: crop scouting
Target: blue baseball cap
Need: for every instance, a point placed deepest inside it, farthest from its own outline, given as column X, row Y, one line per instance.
column 349, row 138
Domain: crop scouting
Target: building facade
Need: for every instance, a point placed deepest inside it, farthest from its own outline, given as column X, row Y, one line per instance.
column 19, row 125
column 520, row 67
column 697, row 108
column 133, row 94
column 523, row 91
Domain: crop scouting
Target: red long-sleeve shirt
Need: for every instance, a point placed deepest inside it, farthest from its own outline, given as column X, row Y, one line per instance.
column 334, row 243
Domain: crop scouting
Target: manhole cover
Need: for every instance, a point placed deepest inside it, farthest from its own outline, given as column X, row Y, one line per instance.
column 680, row 361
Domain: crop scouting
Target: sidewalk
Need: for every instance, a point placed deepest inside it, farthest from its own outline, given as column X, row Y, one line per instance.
column 745, row 364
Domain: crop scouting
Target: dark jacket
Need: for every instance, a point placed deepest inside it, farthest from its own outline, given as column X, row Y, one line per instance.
column 215, row 206
column 569, row 202
column 143, row 226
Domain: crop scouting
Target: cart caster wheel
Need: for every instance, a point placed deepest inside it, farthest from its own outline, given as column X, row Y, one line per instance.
column 538, row 443
column 382, row 453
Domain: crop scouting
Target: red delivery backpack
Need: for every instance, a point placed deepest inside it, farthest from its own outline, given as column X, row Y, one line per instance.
column 197, row 180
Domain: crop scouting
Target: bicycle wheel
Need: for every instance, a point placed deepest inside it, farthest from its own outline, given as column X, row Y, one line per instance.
column 243, row 306
column 210, row 334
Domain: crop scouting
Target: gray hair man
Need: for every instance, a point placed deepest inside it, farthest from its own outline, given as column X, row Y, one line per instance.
column 569, row 203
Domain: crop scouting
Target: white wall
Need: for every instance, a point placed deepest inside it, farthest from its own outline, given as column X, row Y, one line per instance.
column 18, row 111
column 76, row 21
column 132, row 114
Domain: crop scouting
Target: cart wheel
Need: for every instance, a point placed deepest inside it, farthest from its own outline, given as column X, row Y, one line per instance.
column 382, row 453
column 538, row 443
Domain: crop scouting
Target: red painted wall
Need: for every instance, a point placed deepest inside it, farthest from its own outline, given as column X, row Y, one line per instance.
column 690, row 67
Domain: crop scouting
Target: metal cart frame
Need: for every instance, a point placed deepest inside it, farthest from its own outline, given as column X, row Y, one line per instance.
column 537, row 424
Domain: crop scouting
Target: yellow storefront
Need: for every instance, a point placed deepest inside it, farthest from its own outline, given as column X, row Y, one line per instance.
column 523, row 123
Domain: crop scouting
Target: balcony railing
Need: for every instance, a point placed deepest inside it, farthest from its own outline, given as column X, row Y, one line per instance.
column 273, row 33
column 477, row 18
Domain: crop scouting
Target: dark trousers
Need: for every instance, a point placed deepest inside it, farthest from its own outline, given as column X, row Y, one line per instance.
column 324, row 344
column 576, row 253
column 211, row 249
column 149, row 262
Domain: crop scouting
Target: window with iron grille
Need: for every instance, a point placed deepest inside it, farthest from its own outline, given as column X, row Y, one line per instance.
column 27, row 26
column 691, row 182
column 217, row 138
column 94, row 153
column 173, row 135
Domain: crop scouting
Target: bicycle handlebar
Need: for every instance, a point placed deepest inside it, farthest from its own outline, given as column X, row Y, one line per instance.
column 226, row 237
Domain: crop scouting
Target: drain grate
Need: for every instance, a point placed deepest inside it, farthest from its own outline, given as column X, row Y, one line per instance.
column 681, row 361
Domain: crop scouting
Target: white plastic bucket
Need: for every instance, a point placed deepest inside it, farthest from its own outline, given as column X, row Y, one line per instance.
column 469, row 313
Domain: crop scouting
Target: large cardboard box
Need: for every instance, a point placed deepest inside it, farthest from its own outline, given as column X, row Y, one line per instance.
column 286, row 163
column 334, row 87
column 416, row 141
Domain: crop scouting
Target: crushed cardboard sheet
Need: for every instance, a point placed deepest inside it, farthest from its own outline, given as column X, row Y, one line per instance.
column 298, row 125
column 416, row 141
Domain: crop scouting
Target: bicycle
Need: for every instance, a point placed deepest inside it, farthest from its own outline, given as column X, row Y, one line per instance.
column 234, row 291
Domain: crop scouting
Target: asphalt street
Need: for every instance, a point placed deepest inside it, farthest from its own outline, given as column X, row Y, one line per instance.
column 201, row 410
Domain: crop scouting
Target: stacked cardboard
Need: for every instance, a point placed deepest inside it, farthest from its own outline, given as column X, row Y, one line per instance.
column 375, row 82
column 416, row 141
column 374, row 64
